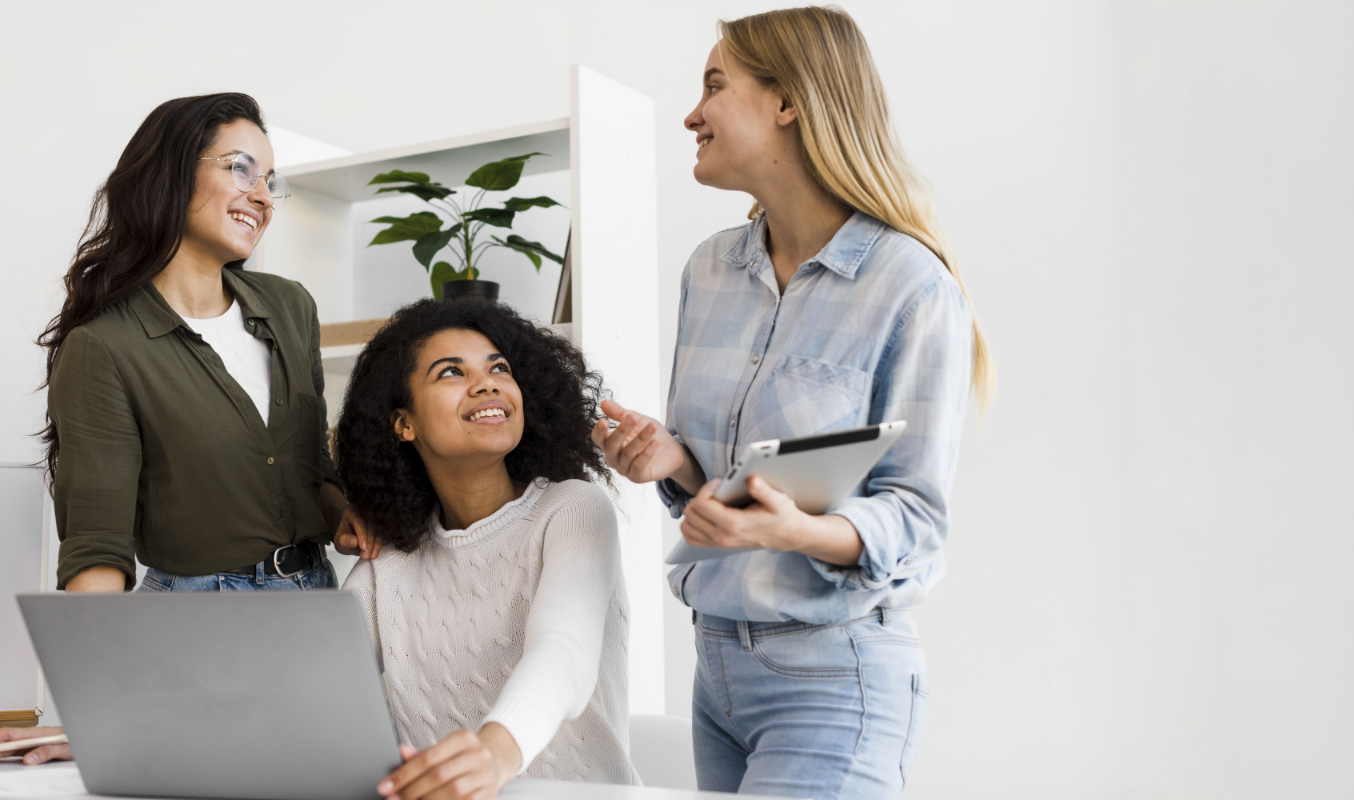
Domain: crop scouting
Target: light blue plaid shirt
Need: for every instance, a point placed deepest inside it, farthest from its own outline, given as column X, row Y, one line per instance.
column 872, row 329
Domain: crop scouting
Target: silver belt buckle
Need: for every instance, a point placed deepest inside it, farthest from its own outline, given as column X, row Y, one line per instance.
column 278, row 566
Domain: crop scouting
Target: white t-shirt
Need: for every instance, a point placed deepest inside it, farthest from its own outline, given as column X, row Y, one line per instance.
column 248, row 360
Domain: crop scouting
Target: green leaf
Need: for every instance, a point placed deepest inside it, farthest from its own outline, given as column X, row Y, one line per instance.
column 400, row 176
column 532, row 250
column 441, row 273
column 498, row 217
column 424, row 187
column 427, row 246
column 523, row 203
column 426, row 193
column 414, row 226
column 497, row 176
column 535, row 259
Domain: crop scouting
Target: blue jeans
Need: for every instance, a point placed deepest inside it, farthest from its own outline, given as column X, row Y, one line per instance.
column 320, row 577
column 825, row 712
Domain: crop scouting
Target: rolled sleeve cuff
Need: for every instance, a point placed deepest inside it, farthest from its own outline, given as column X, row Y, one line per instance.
column 673, row 496
column 81, row 552
column 869, row 573
column 530, row 729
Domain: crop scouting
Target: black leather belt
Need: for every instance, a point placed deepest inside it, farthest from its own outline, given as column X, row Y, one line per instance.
column 288, row 561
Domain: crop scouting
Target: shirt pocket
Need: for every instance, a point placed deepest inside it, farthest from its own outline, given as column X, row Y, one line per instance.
column 308, row 439
column 804, row 396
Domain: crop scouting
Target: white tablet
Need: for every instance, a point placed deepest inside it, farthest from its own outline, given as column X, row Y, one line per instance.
column 818, row 472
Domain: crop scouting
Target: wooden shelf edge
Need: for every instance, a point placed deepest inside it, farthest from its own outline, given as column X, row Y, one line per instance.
column 358, row 332
column 25, row 718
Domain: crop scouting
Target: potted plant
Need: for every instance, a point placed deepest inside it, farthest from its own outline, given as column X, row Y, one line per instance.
column 461, row 234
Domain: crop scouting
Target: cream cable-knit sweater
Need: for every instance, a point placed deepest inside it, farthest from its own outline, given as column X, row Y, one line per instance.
column 522, row 620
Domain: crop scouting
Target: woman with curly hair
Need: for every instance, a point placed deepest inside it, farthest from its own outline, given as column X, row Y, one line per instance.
column 498, row 609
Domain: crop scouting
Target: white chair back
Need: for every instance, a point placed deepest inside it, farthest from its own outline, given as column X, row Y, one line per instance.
column 660, row 749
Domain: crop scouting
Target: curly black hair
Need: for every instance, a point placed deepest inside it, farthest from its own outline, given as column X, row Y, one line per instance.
column 386, row 482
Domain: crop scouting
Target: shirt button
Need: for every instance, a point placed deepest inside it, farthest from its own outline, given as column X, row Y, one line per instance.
column 250, row 323
column 756, row 358
column 278, row 401
column 733, row 423
column 270, row 459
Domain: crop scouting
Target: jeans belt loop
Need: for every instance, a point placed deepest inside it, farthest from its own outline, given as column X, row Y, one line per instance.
column 885, row 615
column 259, row 574
column 743, row 635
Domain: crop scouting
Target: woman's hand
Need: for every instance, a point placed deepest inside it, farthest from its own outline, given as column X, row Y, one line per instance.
column 463, row 765
column 641, row 449
column 37, row 755
column 773, row 522
column 353, row 539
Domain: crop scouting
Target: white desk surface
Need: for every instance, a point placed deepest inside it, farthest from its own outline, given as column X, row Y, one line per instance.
column 61, row 781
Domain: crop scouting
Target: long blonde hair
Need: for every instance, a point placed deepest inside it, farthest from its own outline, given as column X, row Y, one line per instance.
column 819, row 58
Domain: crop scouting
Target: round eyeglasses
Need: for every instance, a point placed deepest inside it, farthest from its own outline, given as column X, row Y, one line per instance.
column 245, row 170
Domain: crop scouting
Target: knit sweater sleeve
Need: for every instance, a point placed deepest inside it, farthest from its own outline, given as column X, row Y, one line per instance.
column 563, row 645
column 362, row 582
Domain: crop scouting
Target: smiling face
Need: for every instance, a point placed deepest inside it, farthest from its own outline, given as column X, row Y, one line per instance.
column 224, row 223
column 465, row 403
column 744, row 128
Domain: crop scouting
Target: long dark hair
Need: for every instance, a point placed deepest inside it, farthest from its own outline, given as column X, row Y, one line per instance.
column 385, row 479
column 138, row 217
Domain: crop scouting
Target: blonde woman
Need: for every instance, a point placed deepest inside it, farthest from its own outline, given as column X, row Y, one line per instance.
column 838, row 305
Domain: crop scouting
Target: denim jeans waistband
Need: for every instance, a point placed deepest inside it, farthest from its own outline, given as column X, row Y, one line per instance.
column 723, row 628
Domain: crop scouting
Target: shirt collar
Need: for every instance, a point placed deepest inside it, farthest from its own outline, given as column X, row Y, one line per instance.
column 252, row 304
column 158, row 318
column 843, row 254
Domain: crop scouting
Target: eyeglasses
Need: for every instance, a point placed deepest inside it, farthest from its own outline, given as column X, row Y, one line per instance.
column 245, row 170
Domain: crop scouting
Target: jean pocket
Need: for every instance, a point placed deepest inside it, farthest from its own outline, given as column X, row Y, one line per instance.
column 156, row 583
column 921, row 694
column 322, row 576
column 824, row 652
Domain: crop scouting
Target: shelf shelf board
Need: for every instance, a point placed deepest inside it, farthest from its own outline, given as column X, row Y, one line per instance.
column 446, row 160
column 341, row 351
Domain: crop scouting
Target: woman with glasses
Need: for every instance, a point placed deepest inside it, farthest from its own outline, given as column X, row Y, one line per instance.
column 186, row 415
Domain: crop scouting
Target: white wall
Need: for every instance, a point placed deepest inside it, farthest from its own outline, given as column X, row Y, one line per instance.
column 1146, row 595
column 1238, row 171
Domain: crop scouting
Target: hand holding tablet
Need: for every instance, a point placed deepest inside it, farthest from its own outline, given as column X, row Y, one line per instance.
column 818, row 472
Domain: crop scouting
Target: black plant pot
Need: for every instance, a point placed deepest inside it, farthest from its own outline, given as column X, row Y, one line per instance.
column 454, row 289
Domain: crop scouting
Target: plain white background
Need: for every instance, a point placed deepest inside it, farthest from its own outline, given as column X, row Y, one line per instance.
column 1148, row 591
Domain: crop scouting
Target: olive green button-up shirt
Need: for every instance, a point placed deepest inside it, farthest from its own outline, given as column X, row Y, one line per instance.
column 163, row 455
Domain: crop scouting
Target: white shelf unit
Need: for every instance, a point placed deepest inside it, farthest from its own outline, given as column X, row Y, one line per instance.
column 600, row 163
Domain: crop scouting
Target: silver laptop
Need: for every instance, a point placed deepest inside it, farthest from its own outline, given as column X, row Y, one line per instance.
column 271, row 695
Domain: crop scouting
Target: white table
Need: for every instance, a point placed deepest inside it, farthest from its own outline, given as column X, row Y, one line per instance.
column 61, row 781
